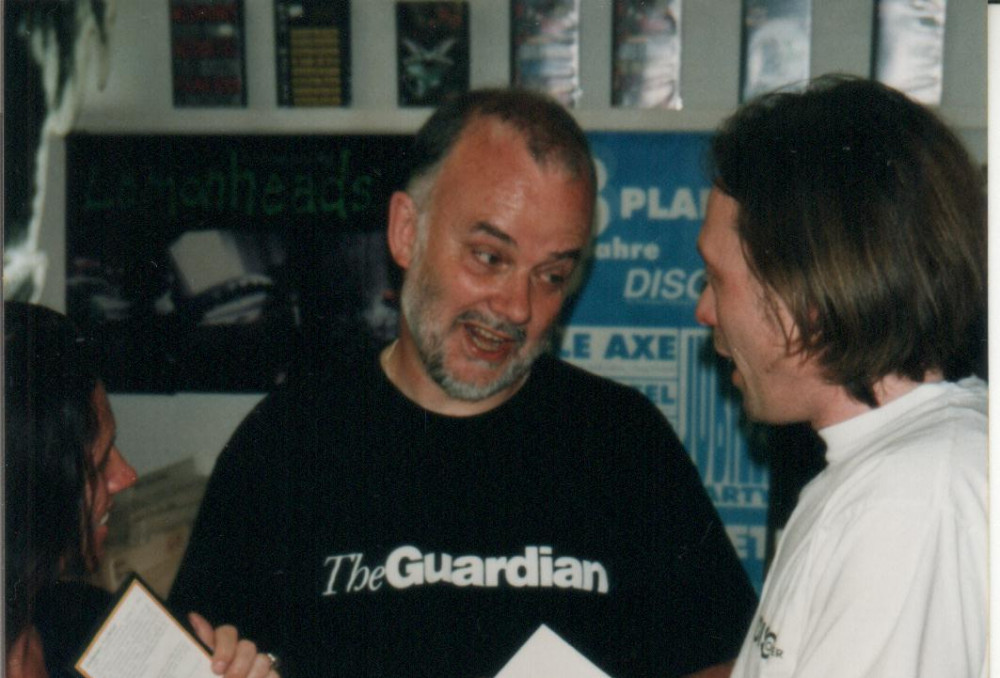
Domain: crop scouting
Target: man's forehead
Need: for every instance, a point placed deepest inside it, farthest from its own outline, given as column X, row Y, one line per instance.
column 721, row 221
column 488, row 143
column 487, row 128
column 489, row 133
column 569, row 250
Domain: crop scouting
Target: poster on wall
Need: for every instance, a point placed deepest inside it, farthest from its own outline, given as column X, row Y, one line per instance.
column 228, row 263
column 207, row 53
column 909, row 47
column 646, row 66
column 634, row 320
column 432, row 51
column 312, row 41
column 777, row 38
column 545, row 49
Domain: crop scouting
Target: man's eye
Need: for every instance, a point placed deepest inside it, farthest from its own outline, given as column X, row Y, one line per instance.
column 488, row 258
column 557, row 278
column 705, row 281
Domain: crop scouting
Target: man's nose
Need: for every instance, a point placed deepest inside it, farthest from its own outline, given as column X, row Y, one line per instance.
column 119, row 474
column 704, row 312
column 513, row 299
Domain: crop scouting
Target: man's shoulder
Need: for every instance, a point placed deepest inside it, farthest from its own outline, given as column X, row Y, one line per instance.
column 951, row 420
column 585, row 384
column 295, row 413
column 327, row 391
column 970, row 397
column 932, row 458
column 570, row 391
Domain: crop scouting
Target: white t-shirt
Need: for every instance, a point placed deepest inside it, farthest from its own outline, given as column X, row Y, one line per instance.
column 881, row 570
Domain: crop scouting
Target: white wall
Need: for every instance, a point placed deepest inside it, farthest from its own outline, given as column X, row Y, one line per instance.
column 156, row 430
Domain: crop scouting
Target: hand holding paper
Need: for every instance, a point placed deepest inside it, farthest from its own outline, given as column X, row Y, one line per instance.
column 238, row 657
column 141, row 639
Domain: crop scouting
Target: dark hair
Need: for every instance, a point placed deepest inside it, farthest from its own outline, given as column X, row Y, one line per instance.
column 550, row 131
column 863, row 213
column 51, row 422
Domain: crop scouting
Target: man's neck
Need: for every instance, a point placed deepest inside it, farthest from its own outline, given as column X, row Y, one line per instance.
column 405, row 370
column 892, row 387
column 886, row 390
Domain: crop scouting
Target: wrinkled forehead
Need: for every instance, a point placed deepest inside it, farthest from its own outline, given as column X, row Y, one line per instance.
column 549, row 152
column 493, row 148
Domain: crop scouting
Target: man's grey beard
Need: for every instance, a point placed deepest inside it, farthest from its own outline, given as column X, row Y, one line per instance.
column 417, row 300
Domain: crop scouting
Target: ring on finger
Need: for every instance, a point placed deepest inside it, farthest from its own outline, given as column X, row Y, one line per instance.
column 275, row 662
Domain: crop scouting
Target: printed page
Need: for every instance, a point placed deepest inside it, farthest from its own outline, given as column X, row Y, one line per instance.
column 141, row 639
column 546, row 655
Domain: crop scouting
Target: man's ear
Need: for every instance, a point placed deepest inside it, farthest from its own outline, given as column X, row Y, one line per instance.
column 402, row 233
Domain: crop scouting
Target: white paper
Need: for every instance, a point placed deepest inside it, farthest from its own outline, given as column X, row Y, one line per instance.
column 141, row 639
column 546, row 655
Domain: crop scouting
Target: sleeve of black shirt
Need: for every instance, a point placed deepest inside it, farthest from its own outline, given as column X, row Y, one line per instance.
column 233, row 570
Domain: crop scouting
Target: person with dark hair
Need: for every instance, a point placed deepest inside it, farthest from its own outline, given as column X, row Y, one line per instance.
column 62, row 469
column 426, row 513
column 845, row 255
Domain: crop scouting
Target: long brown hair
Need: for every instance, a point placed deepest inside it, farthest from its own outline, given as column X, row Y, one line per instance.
column 864, row 214
column 50, row 425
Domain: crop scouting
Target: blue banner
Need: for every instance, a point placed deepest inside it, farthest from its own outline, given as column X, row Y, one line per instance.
column 634, row 320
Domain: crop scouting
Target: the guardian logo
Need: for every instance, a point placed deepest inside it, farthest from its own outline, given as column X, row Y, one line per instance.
column 408, row 566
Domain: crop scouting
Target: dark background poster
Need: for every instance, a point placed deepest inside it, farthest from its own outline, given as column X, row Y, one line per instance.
column 777, row 44
column 313, row 52
column 646, row 54
column 228, row 263
column 432, row 51
column 545, row 47
column 207, row 52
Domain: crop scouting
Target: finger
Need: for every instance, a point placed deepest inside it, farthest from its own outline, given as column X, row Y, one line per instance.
column 202, row 629
column 274, row 665
column 261, row 667
column 226, row 644
column 246, row 653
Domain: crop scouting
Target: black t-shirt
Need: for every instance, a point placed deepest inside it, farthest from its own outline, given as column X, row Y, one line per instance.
column 355, row 533
column 66, row 615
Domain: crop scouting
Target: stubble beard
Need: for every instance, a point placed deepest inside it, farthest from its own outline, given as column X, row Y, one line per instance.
column 419, row 303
